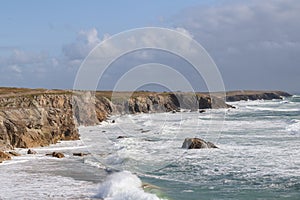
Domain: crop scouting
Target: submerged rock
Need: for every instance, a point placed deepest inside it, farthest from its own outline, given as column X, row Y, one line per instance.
column 80, row 154
column 197, row 143
column 121, row 137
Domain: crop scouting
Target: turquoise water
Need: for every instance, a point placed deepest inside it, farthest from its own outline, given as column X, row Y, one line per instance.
column 258, row 155
column 258, row 158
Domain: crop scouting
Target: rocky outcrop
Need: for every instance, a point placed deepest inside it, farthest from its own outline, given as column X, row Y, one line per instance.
column 36, row 120
column 4, row 156
column 197, row 143
column 33, row 118
column 255, row 95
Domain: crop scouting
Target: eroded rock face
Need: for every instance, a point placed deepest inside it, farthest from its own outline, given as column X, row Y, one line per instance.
column 197, row 143
column 32, row 121
column 39, row 119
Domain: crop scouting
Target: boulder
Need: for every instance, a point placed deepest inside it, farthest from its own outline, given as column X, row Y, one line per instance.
column 56, row 154
column 4, row 156
column 30, row 151
column 197, row 143
column 121, row 137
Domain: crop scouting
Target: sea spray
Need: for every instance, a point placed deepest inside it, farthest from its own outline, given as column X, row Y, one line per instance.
column 294, row 127
column 123, row 186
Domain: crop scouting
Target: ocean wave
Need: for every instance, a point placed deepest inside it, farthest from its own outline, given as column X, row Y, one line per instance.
column 273, row 109
column 123, row 186
column 294, row 128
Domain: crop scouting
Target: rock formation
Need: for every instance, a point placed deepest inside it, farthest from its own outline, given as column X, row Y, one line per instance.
column 197, row 143
column 255, row 95
column 38, row 117
column 4, row 156
column 36, row 120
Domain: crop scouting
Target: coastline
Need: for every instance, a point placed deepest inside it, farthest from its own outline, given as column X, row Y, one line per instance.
column 212, row 165
column 39, row 117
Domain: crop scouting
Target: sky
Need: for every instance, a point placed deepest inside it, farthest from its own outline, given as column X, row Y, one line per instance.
column 254, row 43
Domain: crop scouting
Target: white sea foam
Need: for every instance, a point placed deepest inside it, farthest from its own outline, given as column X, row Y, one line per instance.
column 123, row 186
column 294, row 128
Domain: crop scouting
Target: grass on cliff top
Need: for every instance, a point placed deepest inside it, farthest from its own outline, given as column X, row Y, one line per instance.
column 14, row 92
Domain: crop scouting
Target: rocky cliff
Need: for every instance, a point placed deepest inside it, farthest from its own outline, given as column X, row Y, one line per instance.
column 36, row 120
column 255, row 95
column 31, row 118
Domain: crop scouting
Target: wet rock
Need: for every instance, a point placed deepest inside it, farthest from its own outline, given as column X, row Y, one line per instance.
column 4, row 156
column 13, row 153
column 80, row 154
column 201, row 111
column 31, row 151
column 56, row 154
column 197, row 143
column 121, row 137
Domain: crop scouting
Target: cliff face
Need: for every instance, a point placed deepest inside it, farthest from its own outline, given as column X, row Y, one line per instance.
column 36, row 120
column 255, row 95
column 31, row 118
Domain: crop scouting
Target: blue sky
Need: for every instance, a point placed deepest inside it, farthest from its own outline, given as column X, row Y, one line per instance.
column 255, row 43
column 46, row 25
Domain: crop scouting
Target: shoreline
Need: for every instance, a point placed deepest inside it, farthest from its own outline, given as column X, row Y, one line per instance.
column 39, row 117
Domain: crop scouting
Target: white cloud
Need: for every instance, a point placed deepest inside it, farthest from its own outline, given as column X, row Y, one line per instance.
column 255, row 39
column 15, row 68
column 85, row 42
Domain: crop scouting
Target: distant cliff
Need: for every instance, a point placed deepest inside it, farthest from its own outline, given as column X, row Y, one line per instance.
column 32, row 118
column 255, row 95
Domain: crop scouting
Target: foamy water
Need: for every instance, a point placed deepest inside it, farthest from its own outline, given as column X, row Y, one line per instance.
column 258, row 158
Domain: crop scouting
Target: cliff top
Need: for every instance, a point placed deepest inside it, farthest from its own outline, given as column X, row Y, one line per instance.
column 13, row 92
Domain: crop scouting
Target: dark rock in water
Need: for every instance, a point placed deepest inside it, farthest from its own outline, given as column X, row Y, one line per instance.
column 121, row 137
column 4, row 156
column 113, row 121
column 173, row 111
column 56, row 154
column 13, row 153
column 145, row 131
column 201, row 111
column 30, row 151
column 80, row 154
column 197, row 143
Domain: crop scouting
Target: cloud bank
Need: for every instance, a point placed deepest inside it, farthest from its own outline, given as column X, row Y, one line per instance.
column 256, row 44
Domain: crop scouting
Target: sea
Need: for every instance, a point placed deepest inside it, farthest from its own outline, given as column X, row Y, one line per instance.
column 139, row 157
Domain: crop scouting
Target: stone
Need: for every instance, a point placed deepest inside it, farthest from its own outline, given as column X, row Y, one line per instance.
column 4, row 156
column 121, row 137
column 31, row 151
column 56, row 154
column 197, row 143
